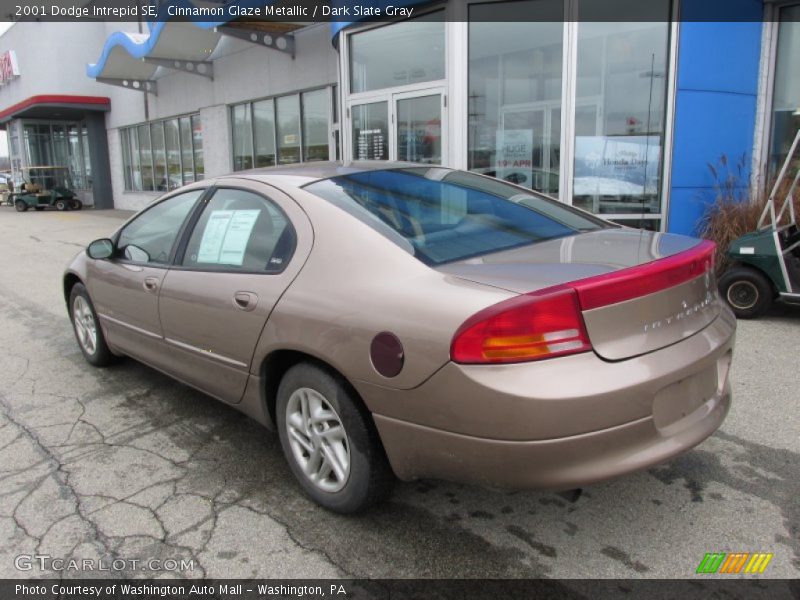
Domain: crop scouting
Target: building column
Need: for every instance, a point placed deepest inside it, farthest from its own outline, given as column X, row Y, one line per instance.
column 715, row 104
column 98, row 158
column 216, row 140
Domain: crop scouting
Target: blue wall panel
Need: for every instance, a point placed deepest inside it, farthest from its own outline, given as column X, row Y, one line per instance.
column 717, row 123
column 715, row 107
column 720, row 56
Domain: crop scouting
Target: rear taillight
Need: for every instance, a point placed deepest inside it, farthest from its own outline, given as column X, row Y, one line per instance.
column 528, row 327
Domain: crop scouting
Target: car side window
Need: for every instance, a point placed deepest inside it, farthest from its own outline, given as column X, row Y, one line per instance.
column 149, row 238
column 241, row 231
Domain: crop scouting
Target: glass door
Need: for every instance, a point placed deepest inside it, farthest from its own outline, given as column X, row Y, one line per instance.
column 418, row 126
column 406, row 126
column 370, row 130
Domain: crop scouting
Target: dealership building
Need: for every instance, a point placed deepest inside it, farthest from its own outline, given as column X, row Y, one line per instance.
column 622, row 118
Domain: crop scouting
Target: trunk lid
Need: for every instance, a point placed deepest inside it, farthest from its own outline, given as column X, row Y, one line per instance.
column 639, row 290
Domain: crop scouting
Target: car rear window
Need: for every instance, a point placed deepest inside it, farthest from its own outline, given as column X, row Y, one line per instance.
column 441, row 215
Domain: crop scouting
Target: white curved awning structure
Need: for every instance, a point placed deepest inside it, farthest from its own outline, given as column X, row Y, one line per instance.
column 133, row 60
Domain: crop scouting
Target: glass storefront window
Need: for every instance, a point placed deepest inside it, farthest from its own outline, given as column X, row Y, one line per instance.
column 76, row 157
column 87, row 163
column 56, row 144
column 197, row 146
column 173, row 153
column 288, row 129
column 37, row 145
column 371, row 131
column 187, row 153
column 136, row 165
column 126, row 158
column 60, row 151
column 146, row 152
column 786, row 95
column 159, row 157
column 264, row 132
column 515, row 78
column 619, row 116
column 162, row 155
column 315, row 125
column 284, row 130
column 376, row 63
column 242, row 138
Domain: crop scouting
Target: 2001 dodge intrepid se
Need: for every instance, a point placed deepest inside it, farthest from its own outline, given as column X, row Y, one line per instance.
column 429, row 322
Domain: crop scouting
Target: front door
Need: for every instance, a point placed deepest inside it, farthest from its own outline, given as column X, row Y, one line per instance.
column 125, row 289
column 248, row 244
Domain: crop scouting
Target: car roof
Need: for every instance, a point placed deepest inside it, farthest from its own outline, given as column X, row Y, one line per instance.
column 300, row 174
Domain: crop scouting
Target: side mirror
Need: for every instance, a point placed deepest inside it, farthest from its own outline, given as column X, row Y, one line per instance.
column 99, row 249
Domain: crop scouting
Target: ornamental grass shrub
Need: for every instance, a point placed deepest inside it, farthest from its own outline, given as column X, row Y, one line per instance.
column 736, row 206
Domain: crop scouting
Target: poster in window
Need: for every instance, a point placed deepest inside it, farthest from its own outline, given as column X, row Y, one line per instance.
column 514, row 158
column 226, row 236
column 618, row 166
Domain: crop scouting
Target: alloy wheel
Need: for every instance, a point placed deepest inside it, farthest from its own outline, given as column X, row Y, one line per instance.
column 318, row 439
column 85, row 325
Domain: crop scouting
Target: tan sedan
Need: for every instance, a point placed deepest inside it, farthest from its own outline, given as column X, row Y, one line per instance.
column 416, row 321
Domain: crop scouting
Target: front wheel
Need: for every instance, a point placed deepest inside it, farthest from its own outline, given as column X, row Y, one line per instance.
column 330, row 441
column 87, row 328
column 21, row 205
column 61, row 205
column 747, row 291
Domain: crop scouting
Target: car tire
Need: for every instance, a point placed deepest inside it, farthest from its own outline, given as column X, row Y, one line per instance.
column 76, row 204
column 747, row 291
column 87, row 329
column 356, row 449
column 61, row 205
column 21, row 206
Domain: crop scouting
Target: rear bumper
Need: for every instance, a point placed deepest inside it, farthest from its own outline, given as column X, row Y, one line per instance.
column 565, row 463
column 674, row 398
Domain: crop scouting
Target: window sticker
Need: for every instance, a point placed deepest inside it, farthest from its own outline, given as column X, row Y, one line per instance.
column 226, row 235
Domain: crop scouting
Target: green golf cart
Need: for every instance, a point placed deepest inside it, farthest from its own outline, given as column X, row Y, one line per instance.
column 766, row 262
column 45, row 187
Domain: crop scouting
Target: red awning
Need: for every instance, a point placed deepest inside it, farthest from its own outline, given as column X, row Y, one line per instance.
column 39, row 106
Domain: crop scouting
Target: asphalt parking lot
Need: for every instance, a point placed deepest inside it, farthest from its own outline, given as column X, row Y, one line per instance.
column 126, row 463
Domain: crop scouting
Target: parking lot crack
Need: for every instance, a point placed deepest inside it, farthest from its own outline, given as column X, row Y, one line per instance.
column 60, row 477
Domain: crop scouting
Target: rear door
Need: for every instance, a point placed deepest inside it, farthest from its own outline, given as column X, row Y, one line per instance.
column 125, row 288
column 247, row 245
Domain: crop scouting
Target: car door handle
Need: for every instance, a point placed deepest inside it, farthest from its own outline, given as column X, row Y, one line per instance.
column 150, row 284
column 245, row 300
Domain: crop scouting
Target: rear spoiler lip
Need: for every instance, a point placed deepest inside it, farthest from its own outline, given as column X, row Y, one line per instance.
column 648, row 278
